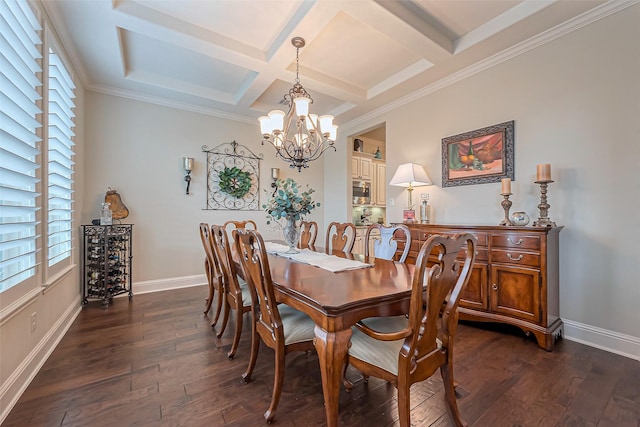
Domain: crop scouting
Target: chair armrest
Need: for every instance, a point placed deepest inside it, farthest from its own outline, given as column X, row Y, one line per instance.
column 383, row 336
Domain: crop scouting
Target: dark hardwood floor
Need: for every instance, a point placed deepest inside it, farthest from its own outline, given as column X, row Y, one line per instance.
column 155, row 361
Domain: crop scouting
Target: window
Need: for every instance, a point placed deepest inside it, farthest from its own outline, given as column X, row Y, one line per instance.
column 60, row 163
column 20, row 123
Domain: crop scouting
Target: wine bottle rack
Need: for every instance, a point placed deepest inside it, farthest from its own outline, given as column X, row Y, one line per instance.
column 107, row 258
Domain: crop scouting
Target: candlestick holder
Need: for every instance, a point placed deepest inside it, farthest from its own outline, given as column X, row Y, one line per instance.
column 544, row 220
column 506, row 205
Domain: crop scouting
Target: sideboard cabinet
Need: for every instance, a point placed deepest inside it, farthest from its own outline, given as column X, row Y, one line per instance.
column 514, row 278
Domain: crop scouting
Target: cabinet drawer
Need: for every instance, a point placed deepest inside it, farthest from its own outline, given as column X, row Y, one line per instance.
column 482, row 254
column 515, row 257
column 516, row 241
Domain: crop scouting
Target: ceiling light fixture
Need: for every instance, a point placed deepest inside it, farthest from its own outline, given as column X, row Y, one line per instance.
column 310, row 136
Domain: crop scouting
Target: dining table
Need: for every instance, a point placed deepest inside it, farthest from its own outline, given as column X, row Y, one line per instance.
column 336, row 301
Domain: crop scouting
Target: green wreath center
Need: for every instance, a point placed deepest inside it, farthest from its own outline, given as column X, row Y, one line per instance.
column 235, row 182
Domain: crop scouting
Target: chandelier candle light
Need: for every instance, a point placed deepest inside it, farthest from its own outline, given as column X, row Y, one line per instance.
column 310, row 136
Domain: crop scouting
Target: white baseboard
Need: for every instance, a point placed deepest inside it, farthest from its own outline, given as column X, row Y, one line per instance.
column 20, row 379
column 613, row 342
column 166, row 284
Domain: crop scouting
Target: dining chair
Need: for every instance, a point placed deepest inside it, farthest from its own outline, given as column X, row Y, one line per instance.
column 409, row 350
column 280, row 327
column 237, row 296
column 386, row 245
column 308, row 234
column 340, row 236
column 213, row 275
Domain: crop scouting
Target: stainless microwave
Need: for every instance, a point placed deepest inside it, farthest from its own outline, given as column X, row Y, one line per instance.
column 361, row 192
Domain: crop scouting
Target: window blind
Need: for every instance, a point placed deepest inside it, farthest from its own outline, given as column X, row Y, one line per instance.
column 60, row 150
column 20, row 79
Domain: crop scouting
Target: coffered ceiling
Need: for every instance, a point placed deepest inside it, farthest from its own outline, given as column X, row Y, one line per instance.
column 234, row 58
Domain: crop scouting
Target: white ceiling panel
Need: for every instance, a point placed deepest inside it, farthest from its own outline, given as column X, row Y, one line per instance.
column 234, row 58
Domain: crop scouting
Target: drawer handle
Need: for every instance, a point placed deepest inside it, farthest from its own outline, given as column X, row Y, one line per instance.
column 514, row 259
column 519, row 242
column 494, row 287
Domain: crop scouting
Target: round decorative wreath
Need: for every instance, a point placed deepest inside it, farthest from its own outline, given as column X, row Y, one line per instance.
column 235, row 182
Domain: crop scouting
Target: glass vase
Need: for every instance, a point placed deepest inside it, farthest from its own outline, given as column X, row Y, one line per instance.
column 291, row 233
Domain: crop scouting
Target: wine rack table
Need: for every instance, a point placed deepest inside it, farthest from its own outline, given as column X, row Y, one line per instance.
column 106, row 261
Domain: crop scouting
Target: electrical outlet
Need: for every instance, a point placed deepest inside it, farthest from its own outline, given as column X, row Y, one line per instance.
column 34, row 321
column 392, row 202
column 424, row 196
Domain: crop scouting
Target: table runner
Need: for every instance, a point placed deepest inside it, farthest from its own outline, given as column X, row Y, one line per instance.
column 319, row 259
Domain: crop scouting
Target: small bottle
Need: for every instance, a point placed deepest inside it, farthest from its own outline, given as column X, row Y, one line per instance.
column 106, row 215
column 378, row 154
column 424, row 213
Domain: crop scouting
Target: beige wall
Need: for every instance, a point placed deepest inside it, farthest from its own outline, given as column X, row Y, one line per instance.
column 137, row 149
column 575, row 105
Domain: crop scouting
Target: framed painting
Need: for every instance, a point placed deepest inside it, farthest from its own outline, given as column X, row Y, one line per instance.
column 479, row 156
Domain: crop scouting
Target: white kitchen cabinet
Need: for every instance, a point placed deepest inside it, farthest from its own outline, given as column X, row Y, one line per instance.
column 379, row 187
column 358, row 246
column 361, row 167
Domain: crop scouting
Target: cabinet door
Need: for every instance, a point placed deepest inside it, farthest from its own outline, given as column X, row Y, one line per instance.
column 358, row 245
column 380, row 185
column 355, row 167
column 474, row 295
column 365, row 168
column 515, row 292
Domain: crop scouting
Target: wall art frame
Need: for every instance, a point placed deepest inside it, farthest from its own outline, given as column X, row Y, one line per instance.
column 233, row 177
column 480, row 156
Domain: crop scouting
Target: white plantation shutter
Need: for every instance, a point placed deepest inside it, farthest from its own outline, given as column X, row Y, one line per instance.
column 60, row 171
column 19, row 137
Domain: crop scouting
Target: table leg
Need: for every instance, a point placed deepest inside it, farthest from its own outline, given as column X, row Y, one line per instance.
column 332, row 350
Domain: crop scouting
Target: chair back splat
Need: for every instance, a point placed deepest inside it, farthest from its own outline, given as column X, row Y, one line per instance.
column 423, row 343
column 248, row 224
column 340, row 236
column 308, row 234
column 280, row 327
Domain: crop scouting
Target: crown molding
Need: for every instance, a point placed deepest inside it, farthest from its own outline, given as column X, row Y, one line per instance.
column 554, row 33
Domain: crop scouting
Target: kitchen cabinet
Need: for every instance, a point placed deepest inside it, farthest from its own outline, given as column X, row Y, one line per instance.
column 358, row 246
column 379, row 187
column 514, row 280
column 362, row 167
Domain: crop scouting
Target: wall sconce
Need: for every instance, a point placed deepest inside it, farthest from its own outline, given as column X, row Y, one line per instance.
column 187, row 164
column 275, row 174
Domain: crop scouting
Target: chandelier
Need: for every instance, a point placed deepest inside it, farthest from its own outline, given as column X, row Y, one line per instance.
column 298, row 136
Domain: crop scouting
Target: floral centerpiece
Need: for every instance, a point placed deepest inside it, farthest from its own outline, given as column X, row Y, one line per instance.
column 289, row 202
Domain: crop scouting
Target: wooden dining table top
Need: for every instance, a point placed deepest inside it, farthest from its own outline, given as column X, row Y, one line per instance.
column 343, row 291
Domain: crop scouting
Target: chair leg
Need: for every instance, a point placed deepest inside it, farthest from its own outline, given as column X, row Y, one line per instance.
column 348, row 385
column 255, row 346
column 220, row 301
column 225, row 319
column 450, row 394
column 237, row 332
column 277, row 385
column 404, row 403
column 209, row 301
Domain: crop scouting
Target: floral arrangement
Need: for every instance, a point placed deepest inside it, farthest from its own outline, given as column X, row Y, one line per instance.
column 289, row 200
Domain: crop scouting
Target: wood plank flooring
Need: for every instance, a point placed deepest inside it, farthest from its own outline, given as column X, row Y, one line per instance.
column 155, row 361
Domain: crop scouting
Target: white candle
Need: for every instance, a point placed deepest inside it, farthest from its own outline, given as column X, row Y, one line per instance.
column 275, row 173
column 506, row 185
column 543, row 172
